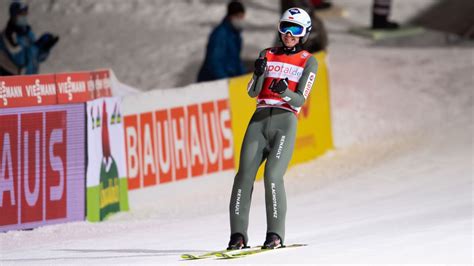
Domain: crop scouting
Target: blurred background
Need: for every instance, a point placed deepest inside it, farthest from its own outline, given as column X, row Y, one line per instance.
column 161, row 44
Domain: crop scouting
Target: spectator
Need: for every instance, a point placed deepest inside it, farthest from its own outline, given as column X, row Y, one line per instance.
column 380, row 14
column 321, row 4
column 224, row 46
column 20, row 51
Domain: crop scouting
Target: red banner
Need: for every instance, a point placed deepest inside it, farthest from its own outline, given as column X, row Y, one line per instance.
column 75, row 87
column 102, row 83
column 32, row 90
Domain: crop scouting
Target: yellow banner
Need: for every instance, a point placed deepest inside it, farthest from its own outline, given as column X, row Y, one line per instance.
column 314, row 135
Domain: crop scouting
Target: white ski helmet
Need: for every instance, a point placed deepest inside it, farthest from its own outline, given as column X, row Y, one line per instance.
column 297, row 22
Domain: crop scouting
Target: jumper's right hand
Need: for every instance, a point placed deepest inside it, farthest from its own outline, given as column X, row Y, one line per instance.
column 47, row 41
column 260, row 65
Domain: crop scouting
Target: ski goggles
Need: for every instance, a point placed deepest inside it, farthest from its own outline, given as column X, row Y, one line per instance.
column 294, row 29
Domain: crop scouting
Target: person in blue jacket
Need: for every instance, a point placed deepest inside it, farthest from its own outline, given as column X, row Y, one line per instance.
column 224, row 46
column 20, row 51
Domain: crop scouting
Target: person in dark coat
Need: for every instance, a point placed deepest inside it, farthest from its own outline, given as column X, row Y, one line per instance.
column 380, row 14
column 20, row 51
column 224, row 46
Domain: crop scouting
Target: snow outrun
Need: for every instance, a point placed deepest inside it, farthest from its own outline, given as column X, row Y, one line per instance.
column 397, row 188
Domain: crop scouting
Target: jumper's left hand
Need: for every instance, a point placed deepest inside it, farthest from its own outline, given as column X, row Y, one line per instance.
column 280, row 86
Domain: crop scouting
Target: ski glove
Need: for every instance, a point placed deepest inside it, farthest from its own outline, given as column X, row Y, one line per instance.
column 260, row 65
column 47, row 41
column 280, row 86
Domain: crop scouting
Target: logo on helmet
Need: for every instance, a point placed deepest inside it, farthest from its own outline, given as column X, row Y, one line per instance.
column 294, row 11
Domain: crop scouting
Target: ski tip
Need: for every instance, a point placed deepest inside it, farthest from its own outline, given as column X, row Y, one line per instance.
column 188, row 257
column 295, row 245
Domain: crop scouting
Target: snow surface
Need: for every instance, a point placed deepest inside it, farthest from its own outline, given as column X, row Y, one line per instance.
column 397, row 188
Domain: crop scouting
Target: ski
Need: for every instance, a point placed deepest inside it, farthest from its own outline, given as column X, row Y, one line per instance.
column 233, row 254
column 244, row 253
column 202, row 256
column 214, row 254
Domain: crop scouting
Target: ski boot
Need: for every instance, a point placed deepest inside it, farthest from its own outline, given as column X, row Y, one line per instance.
column 236, row 242
column 272, row 241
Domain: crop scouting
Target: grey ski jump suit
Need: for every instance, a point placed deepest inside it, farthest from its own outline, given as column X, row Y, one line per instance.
column 270, row 136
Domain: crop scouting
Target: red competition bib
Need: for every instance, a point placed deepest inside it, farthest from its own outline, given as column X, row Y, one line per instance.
column 280, row 66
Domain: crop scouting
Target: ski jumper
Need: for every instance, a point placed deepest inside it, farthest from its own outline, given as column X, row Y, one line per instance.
column 270, row 136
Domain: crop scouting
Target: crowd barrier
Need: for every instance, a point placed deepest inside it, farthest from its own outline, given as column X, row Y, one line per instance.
column 50, row 152
column 177, row 134
column 69, row 151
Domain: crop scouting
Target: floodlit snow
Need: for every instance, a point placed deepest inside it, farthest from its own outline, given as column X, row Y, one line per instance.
column 397, row 188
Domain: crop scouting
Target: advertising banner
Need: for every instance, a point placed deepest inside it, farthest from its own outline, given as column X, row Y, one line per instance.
column 42, row 166
column 102, row 83
column 75, row 87
column 107, row 189
column 34, row 90
column 173, row 135
column 31, row 90
column 314, row 134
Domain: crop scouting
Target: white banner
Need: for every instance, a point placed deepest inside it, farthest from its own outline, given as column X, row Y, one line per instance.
column 175, row 134
column 107, row 188
column 105, row 133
